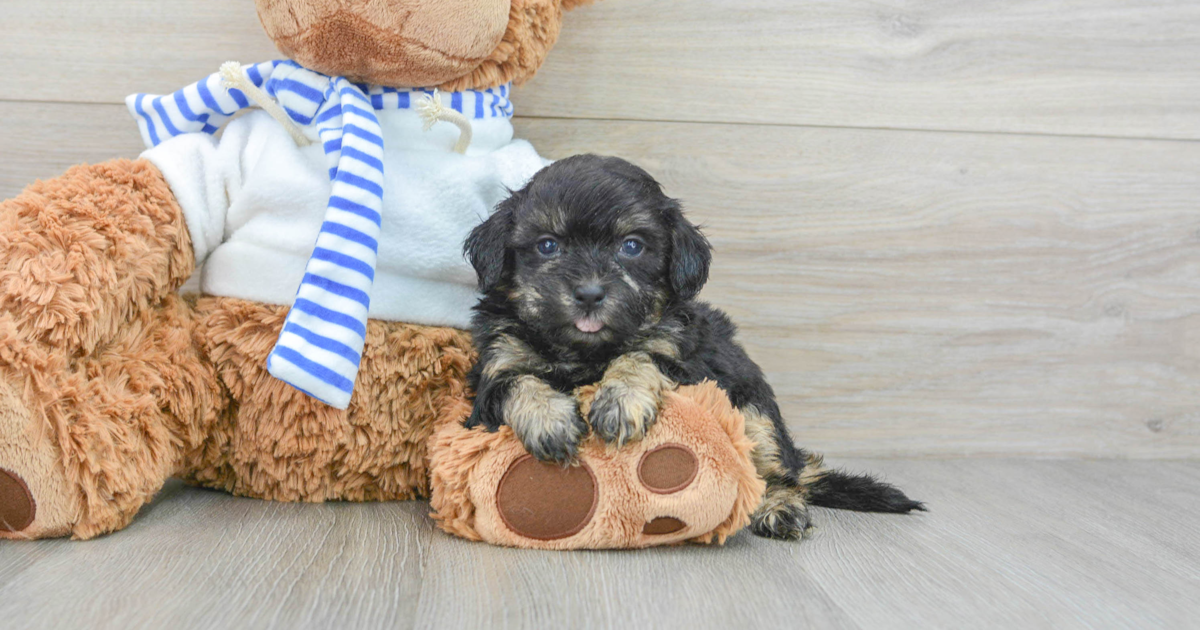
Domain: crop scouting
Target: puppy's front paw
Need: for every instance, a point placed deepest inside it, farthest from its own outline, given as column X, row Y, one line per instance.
column 623, row 413
column 546, row 421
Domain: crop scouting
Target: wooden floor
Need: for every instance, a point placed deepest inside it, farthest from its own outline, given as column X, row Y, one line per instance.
column 1007, row 543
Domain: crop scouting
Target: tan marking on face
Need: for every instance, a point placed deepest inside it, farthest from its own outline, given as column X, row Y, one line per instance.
column 654, row 318
column 510, row 354
column 629, row 223
column 528, row 301
column 630, row 281
column 551, row 220
column 536, row 411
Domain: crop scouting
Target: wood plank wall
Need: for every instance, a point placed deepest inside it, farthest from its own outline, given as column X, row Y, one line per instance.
column 945, row 227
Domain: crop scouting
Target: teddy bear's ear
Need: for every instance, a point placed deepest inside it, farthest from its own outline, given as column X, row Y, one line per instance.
column 533, row 27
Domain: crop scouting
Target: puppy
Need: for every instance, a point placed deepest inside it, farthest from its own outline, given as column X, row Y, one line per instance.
column 589, row 274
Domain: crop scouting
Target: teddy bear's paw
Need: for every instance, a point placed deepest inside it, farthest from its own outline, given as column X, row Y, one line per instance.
column 690, row 479
column 783, row 515
column 35, row 497
column 623, row 413
column 546, row 421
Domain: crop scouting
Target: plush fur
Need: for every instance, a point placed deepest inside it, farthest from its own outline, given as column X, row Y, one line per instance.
column 410, row 43
column 455, row 44
column 589, row 274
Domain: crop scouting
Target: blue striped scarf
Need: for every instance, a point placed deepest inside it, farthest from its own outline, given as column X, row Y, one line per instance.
column 320, row 347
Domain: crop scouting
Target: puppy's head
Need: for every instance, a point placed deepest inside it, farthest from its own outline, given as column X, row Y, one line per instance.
column 589, row 252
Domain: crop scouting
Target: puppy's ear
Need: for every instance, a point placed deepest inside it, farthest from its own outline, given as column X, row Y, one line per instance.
column 691, row 254
column 487, row 246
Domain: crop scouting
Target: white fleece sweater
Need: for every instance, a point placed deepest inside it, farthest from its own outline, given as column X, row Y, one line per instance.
column 254, row 202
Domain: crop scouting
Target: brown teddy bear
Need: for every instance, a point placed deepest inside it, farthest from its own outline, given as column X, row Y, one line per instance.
column 111, row 381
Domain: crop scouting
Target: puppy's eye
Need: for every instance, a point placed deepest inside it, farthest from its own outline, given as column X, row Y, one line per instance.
column 632, row 247
column 547, row 247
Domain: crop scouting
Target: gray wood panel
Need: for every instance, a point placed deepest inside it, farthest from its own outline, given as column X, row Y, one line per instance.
column 1007, row 543
column 103, row 50
column 44, row 139
column 752, row 583
column 1089, row 67
column 1043, row 544
column 908, row 293
column 1094, row 67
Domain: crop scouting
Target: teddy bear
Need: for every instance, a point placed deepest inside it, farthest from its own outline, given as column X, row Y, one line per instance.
column 322, row 201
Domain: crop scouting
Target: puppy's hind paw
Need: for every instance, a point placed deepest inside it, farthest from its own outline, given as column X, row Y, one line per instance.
column 621, row 413
column 783, row 515
column 546, row 421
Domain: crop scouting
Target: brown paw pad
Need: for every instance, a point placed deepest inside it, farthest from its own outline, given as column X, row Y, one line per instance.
column 546, row 501
column 17, row 508
column 668, row 468
column 663, row 525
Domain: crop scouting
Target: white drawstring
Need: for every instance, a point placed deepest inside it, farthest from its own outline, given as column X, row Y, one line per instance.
column 431, row 111
column 233, row 77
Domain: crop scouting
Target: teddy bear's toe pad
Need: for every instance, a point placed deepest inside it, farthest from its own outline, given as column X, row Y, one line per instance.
column 663, row 525
column 17, row 508
column 546, row 501
column 668, row 468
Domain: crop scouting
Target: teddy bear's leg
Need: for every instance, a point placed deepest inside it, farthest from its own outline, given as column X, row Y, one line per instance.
column 102, row 384
column 281, row 444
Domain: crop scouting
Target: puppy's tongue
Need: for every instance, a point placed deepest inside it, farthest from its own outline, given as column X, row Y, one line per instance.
column 589, row 324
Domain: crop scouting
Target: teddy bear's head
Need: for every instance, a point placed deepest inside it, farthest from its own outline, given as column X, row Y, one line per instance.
column 452, row 44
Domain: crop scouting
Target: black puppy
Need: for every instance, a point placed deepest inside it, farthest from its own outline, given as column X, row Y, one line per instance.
column 588, row 275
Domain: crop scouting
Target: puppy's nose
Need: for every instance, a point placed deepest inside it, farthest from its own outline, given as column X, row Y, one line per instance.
column 589, row 295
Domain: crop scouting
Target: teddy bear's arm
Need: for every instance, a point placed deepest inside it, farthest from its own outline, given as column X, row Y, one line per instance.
column 82, row 253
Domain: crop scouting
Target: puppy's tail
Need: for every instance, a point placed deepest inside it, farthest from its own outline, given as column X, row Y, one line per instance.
column 861, row 493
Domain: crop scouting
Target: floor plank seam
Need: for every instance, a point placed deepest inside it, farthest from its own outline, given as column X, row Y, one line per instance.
column 932, row 130
column 976, row 132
